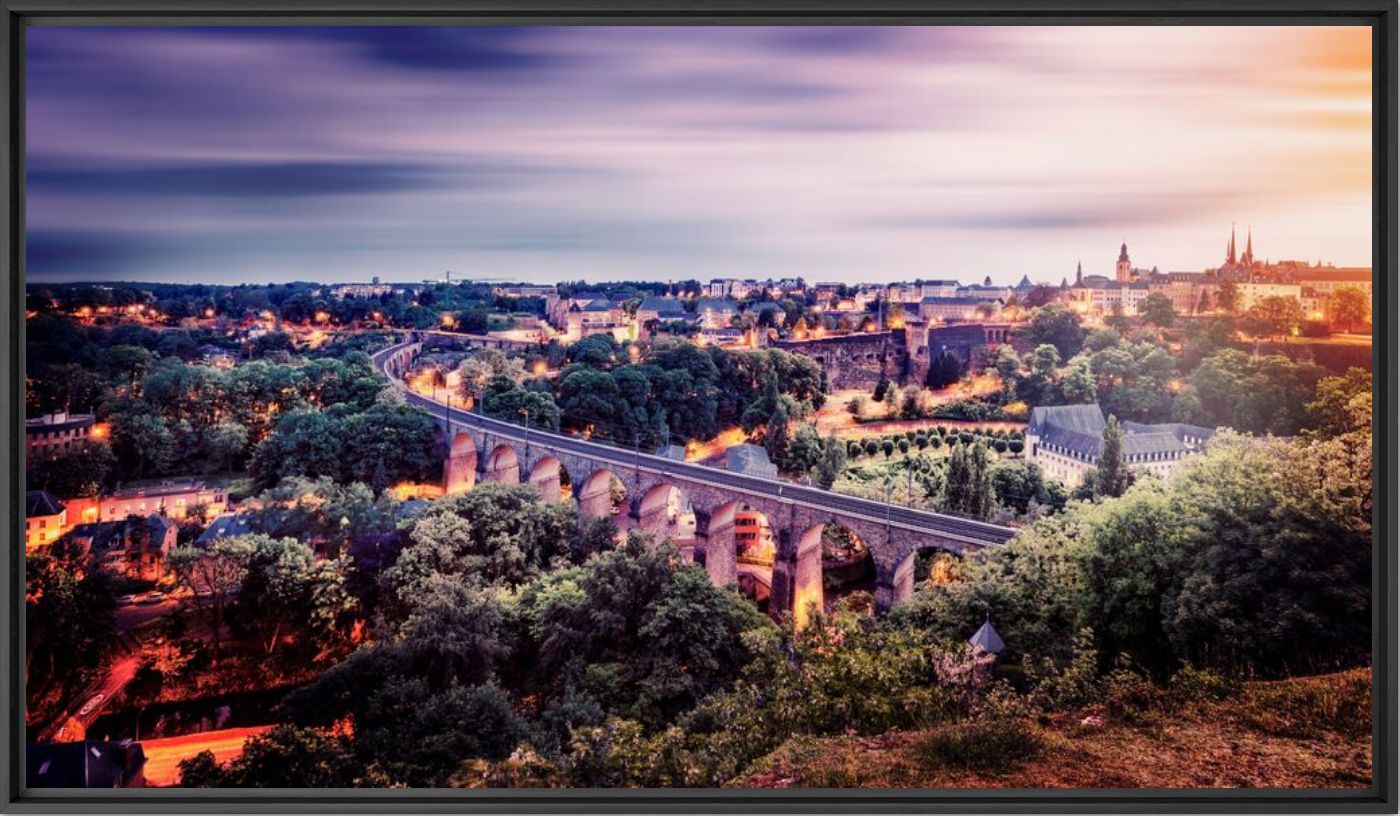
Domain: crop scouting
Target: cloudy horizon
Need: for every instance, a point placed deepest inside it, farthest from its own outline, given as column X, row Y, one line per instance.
column 227, row 155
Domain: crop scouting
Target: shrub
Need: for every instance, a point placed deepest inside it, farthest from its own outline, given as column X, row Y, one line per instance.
column 982, row 745
column 1311, row 707
column 1191, row 684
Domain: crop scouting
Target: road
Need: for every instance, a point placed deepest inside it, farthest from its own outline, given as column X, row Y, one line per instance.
column 163, row 756
column 975, row 533
column 73, row 725
column 87, row 707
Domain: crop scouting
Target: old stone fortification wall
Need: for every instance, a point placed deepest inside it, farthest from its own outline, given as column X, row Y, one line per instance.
column 853, row 360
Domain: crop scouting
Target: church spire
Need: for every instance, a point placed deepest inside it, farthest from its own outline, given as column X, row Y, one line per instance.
column 1230, row 256
column 1079, row 274
column 1249, row 247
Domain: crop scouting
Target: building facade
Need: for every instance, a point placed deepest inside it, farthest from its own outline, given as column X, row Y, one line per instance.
column 1066, row 440
column 57, row 432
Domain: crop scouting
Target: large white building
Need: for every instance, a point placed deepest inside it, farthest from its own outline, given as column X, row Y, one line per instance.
column 1065, row 441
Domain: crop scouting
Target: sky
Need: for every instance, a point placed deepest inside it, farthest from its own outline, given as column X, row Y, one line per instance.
column 226, row 155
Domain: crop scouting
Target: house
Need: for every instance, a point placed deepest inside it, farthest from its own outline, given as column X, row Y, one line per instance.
column 136, row 547
column 598, row 316
column 662, row 309
column 57, row 432
column 174, row 498
column 1065, row 441
column 716, row 314
column 45, row 519
column 226, row 525
column 85, row 764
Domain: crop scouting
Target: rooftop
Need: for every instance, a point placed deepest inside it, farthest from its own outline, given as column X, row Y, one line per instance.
column 39, row 503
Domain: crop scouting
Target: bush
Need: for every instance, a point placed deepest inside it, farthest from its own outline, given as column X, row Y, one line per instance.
column 1191, row 684
column 1312, row 707
column 981, row 745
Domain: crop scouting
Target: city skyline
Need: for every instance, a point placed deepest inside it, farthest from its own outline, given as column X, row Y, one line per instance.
column 544, row 154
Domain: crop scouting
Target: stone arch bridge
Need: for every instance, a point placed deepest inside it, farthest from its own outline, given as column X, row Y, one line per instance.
column 486, row 449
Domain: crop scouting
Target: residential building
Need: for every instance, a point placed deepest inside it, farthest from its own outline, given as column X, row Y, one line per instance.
column 136, row 546
column 1252, row 292
column 1066, row 440
column 662, row 309
column 599, row 316
column 227, row 525
column 948, row 310
column 45, row 519
column 716, row 314
column 170, row 498
column 57, row 432
column 523, row 290
column 341, row 291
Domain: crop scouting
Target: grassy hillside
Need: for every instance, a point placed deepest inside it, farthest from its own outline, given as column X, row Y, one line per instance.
column 1305, row 732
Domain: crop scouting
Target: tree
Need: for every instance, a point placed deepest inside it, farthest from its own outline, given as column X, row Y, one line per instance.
column 286, row 589
column 1057, row 325
column 882, row 387
column 1276, row 573
column 224, row 442
column 1113, row 476
column 1157, row 308
column 287, row 756
column 500, row 534
column 1008, row 367
column 1273, row 316
column 71, row 616
column 1227, row 297
column 1134, row 556
column 1077, row 384
column 967, row 490
column 213, row 575
column 388, row 443
column 944, row 369
column 833, row 462
column 79, row 471
column 143, row 436
column 1343, row 404
column 776, row 439
column 805, row 451
column 1350, row 305
column 303, row 443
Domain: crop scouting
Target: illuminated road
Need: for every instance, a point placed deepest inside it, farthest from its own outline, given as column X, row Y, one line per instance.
column 163, row 756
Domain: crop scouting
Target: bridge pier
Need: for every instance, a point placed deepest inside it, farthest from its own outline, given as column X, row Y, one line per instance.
column 720, row 548
column 797, row 576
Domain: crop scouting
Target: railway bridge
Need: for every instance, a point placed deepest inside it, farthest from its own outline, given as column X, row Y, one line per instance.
column 481, row 448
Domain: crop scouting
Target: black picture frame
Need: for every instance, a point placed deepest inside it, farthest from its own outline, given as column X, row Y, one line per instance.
column 18, row 15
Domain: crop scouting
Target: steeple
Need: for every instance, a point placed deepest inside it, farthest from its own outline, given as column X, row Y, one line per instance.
column 1248, row 258
column 1230, row 255
column 1125, row 265
column 1079, row 274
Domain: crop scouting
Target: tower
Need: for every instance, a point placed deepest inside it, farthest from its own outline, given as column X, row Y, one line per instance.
column 1079, row 274
column 1230, row 252
column 1125, row 266
column 1248, row 258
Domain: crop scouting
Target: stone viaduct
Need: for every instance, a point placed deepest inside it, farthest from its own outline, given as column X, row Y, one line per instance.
column 484, row 449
